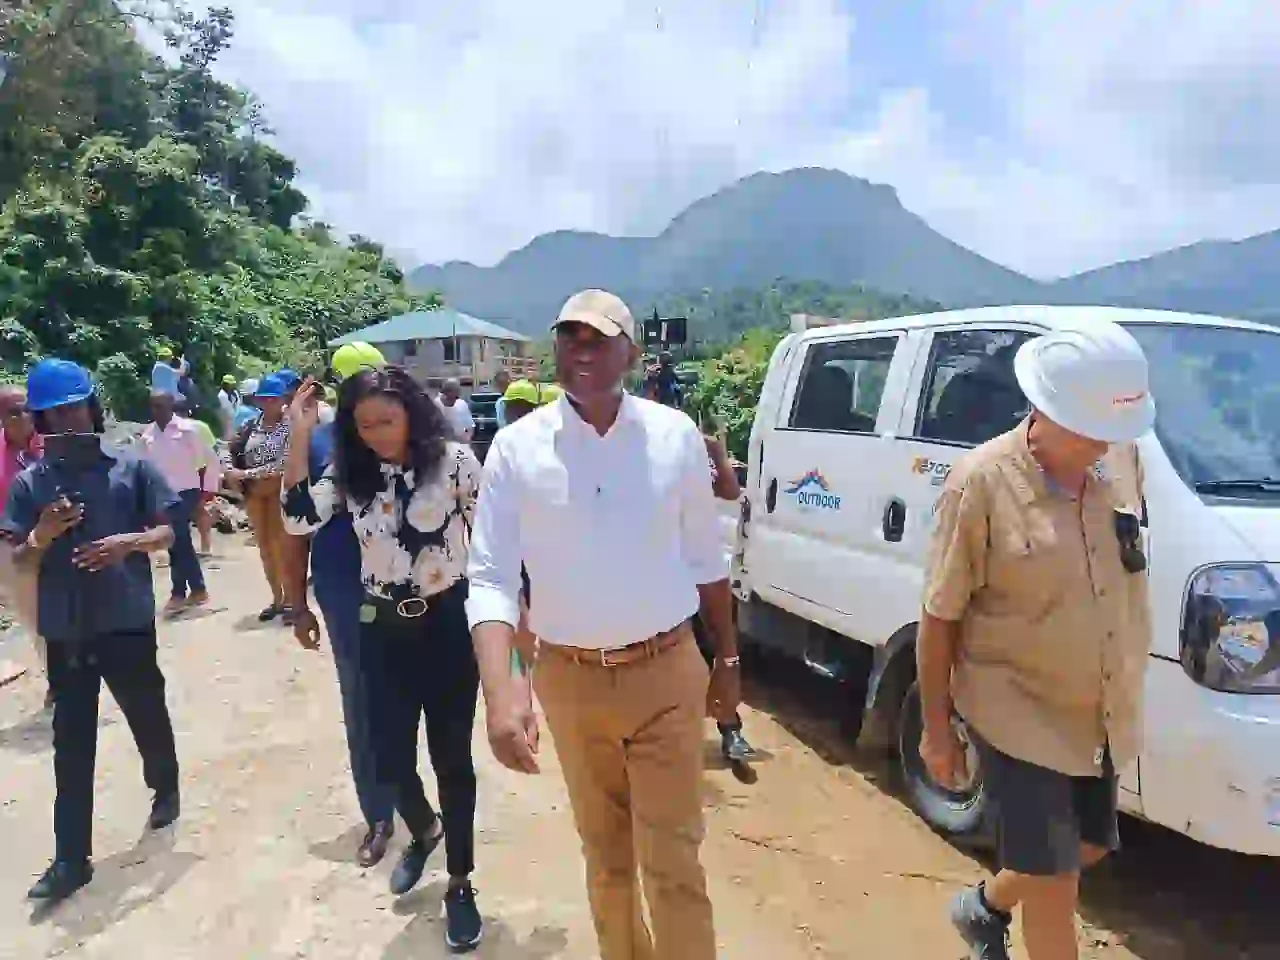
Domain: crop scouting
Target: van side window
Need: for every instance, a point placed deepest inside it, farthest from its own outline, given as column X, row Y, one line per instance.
column 970, row 393
column 842, row 384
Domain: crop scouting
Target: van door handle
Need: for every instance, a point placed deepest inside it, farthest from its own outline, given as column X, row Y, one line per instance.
column 895, row 520
column 771, row 496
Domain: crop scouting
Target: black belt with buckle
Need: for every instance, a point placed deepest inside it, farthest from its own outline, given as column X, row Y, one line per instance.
column 375, row 608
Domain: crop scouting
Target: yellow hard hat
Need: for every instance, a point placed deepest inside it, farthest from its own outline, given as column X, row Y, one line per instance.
column 351, row 358
column 550, row 392
column 522, row 391
column 164, row 353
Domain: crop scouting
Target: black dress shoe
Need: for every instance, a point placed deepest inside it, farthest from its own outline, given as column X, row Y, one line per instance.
column 164, row 811
column 413, row 861
column 61, row 880
column 374, row 846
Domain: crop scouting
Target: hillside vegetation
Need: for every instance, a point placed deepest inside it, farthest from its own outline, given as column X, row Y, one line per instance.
column 808, row 224
column 718, row 318
column 141, row 204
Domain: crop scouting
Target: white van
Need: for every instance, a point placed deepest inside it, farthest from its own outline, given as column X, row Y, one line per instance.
column 856, row 429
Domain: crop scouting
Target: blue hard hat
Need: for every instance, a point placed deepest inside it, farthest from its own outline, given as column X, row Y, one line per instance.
column 272, row 386
column 57, row 383
column 290, row 378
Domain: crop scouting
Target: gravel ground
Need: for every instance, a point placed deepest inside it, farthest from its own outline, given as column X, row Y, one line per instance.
column 816, row 857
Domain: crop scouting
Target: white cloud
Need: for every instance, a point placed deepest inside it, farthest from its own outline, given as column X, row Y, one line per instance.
column 465, row 130
column 462, row 130
column 1131, row 127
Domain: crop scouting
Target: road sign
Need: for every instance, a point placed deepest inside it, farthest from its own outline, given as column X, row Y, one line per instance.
column 665, row 332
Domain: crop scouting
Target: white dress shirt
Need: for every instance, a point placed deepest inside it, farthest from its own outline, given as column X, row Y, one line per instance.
column 616, row 532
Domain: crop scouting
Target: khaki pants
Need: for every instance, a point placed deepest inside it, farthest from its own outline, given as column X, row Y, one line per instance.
column 629, row 739
column 18, row 591
column 262, row 503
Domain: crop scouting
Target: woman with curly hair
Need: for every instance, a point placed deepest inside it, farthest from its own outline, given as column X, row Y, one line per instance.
column 411, row 493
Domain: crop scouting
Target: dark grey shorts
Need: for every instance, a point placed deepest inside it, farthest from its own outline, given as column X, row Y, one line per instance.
column 1042, row 816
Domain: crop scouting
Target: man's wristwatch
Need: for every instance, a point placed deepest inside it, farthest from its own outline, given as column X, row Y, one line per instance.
column 728, row 661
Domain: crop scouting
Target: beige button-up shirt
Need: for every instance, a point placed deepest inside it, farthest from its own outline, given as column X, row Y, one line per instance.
column 1054, row 631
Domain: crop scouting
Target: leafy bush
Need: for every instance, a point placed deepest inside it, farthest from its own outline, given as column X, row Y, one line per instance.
column 728, row 387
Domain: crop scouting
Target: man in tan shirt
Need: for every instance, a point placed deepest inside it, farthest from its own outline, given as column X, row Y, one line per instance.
column 1035, row 630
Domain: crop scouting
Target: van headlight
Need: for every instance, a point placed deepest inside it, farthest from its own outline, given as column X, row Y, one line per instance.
column 1231, row 629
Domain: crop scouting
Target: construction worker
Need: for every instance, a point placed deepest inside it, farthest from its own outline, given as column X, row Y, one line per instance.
column 521, row 398
column 87, row 516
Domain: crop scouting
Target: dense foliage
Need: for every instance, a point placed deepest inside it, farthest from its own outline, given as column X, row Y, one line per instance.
column 717, row 318
column 140, row 205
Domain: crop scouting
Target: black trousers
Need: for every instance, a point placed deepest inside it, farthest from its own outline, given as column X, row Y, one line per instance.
column 708, row 652
column 417, row 667
column 127, row 663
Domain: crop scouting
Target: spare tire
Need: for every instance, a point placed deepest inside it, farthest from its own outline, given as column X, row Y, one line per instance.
column 960, row 815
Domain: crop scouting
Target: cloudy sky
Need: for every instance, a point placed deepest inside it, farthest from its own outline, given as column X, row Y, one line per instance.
column 1050, row 135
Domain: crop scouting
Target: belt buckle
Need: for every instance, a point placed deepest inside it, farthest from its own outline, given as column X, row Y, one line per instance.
column 405, row 606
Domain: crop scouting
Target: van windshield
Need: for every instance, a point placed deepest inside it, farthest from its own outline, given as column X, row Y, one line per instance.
column 1217, row 396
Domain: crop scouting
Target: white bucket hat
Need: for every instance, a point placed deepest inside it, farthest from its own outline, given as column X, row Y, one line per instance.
column 1090, row 379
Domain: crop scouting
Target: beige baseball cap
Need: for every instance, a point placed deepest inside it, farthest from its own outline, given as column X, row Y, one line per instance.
column 601, row 310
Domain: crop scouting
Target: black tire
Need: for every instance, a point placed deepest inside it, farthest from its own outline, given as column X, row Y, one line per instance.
column 961, row 816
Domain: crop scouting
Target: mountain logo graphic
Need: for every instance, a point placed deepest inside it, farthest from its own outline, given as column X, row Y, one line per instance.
column 811, row 479
column 813, row 490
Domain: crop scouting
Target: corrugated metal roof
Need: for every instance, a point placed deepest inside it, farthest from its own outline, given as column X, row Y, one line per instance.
column 428, row 325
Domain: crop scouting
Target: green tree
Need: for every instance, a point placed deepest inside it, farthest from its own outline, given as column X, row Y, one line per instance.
column 140, row 207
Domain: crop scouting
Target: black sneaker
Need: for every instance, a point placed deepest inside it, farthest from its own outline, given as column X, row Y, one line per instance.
column 61, row 880
column 463, row 924
column 164, row 811
column 986, row 933
column 414, row 861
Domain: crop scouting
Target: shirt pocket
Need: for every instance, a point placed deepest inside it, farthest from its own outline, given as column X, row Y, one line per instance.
column 1029, row 570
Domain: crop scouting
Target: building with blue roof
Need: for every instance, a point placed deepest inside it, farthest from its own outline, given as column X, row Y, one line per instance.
column 436, row 345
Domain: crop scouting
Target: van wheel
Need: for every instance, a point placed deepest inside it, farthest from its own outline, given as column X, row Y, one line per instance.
column 960, row 815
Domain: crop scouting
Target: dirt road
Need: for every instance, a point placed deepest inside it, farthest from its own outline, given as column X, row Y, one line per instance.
column 816, row 858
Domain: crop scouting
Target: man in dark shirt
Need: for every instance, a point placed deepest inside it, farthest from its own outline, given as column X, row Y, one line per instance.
column 84, row 519
column 335, row 569
column 661, row 383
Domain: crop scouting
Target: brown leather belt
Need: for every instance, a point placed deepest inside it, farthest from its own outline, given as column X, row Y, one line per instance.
column 619, row 656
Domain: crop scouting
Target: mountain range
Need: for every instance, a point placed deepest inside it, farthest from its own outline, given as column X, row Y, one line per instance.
column 820, row 225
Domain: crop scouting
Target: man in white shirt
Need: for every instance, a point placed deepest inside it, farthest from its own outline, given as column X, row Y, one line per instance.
column 456, row 411
column 228, row 400
column 606, row 499
column 189, row 465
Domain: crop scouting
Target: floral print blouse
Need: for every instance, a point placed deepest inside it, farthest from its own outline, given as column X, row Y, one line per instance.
column 413, row 539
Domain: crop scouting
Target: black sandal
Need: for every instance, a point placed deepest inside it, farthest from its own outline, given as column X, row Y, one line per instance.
column 269, row 613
